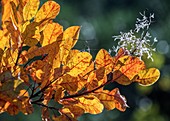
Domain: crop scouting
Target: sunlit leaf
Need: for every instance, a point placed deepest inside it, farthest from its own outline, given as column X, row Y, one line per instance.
column 51, row 32
column 31, row 35
column 63, row 118
column 30, row 9
column 79, row 63
column 126, row 69
column 70, row 37
column 112, row 99
column 103, row 59
column 72, row 111
column 72, row 84
column 96, row 79
column 147, row 77
column 90, row 104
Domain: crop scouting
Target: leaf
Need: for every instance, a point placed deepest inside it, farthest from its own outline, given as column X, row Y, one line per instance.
column 112, row 99
column 72, row 111
column 72, row 84
column 126, row 69
column 49, row 10
column 122, row 52
column 51, row 32
column 63, row 118
column 48, row 49
column 40, row 71
column 90, row 104
column 69, row 39
column 30, row 9
column 59, row 93
column 78, row 63
column 147, row 77
column 96, row 79
column 103, row 59
column 31, row 35
column 3, row 40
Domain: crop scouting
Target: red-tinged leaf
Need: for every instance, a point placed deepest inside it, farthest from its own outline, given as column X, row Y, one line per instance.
column 51, row 32
column 96, row 79
column 112, row 99
column 30, row 9
column 40, row 72
column 103, row 59
column 63, row 118
column 126, row 69
column 90, row 104
column 48, row 94
column 48, row 49
column 70, row 37
column 48, row 10
column 147, row 77
column 16, row 17
column 72, row 84
column 122, row 52
column 31, row 35
column 78, row 63
column 72, row 111
column 59, row 93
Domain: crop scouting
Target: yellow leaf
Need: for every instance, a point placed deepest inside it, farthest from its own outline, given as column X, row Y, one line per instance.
column 48, row 11
column 72, row 111
column 30, row 9
column 79, row 63
column 96, row 79
column 35, row 51
column 112, row 99
column 70, row 37
column 90, row 104
column 51, row 32
column 3, row 40
column 31, row 35
column 103, row 59
column 72, row 84
column 126, row 69
column 148, row 76
column 63, row 118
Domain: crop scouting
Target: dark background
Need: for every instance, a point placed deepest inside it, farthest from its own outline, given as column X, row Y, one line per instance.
column 100, row 20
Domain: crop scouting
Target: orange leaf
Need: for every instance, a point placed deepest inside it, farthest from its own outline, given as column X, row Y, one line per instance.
column 72, row 84
column 122, row 52
column 31, row 35
column 112, row 99
column 147, row 77
column 103, row 59
column 30, row 9
column 63, row 118
column 70, row 37
column 78, row 63
column 49, row 10
column 72, row 111
column 96, row 78
column 51, row 32
column 126, row 69
column 90, row 104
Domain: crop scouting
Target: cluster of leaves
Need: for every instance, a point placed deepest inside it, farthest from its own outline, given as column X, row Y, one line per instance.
column 38, row 64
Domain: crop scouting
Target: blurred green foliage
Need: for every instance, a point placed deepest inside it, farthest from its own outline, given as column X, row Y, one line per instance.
column 100, row 20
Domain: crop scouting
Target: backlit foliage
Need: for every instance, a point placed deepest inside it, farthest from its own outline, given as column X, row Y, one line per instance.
column 38, row 64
